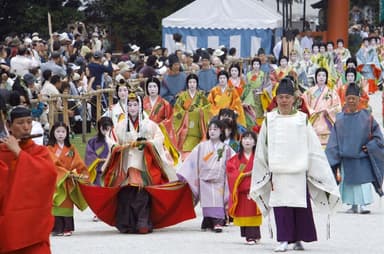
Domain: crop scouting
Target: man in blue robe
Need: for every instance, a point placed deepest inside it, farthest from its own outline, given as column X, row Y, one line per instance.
column 355, row 137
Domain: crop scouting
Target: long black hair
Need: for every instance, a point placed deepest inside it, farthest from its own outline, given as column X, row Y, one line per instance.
column 152, row 80
column 219, row 125
column 52, row 140
column 247, row 134
column 321, row 69
column 103, row 123
column 189, row 77
column 350, row 70
column 228, row 124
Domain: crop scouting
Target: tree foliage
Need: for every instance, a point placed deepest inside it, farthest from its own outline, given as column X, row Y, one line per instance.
column 127, row 21
column 18, row 16
column 133, row 21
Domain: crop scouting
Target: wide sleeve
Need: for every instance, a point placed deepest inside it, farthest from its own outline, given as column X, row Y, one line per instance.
column 322, row 185
column 78, row 163
column 27, row 200
column 90, row 152
column 237, row 106
column 261, row 176
column 332, row 150
column 189, row 171
column 232, row 171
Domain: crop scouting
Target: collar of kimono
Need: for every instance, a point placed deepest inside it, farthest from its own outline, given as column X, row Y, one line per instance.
column 135, row 122
column 293, row 111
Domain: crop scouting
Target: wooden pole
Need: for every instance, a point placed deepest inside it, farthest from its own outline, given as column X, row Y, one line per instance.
column 338, row 18
column 65, row 108
column 84, row 118
column 51, row 113
column 110, row 98
column 98, row 104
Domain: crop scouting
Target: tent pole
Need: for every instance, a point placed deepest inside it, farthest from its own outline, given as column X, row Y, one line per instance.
column 284, row 16
column 304, row 14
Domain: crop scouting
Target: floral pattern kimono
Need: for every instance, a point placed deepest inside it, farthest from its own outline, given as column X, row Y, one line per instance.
column 227, row 99
column 205, row 172
column 251, row 98
column 71, row 169
column 323, row 104
column 191, row 116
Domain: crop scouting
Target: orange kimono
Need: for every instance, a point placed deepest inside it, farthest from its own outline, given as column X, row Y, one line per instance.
column 227, row 99
column 71, row 169
column 27, row 184
column 238, row 88
column 160, row 111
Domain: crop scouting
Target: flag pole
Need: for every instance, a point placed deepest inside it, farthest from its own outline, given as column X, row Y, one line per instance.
column 50, row 31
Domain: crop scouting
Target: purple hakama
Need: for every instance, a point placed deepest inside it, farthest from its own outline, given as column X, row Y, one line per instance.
column 295, row 223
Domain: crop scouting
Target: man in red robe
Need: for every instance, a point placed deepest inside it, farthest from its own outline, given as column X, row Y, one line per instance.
column 27, row 184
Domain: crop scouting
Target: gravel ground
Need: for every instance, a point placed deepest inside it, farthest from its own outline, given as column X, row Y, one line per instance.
column 350, row 233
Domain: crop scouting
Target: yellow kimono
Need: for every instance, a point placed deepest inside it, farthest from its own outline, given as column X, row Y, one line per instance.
column 227, row 99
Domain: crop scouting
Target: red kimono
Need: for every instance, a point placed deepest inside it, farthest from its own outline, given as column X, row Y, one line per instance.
column 243, row 210
column 27, row 184
column 160, row 112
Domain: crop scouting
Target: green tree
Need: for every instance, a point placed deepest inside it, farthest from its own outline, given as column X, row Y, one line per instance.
column 132, row 21
column 17, row 16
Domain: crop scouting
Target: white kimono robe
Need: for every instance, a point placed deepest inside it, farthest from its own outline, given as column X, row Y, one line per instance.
column 133, row 156
column 205, row 171
column 288, row 159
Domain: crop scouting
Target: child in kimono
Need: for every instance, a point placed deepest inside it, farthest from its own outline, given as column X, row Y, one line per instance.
column 98, row 148
column 244, row 211
column 70, row 169
column 204, row 171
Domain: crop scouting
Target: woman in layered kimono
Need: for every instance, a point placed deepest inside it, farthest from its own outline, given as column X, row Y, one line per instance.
column 282, row 71
column 204, row 171
column 71, row 169
column 160, row 111
column 191, row 116
column 157, row 108
column 324, row 104
column 138, row 160
column 235, row 79
column 244, row 211
column 118, row 111
column 251, row 96
column 223, row 96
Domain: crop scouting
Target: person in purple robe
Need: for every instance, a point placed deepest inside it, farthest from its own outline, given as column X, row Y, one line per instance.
column 98, row 148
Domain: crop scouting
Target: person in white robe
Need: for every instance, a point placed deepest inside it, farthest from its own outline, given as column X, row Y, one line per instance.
column 289, row 168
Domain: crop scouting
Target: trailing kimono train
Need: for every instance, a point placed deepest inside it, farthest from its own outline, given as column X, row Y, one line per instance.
column 139, row 174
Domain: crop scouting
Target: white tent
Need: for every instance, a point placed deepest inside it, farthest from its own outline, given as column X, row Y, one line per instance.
column 244, row 24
